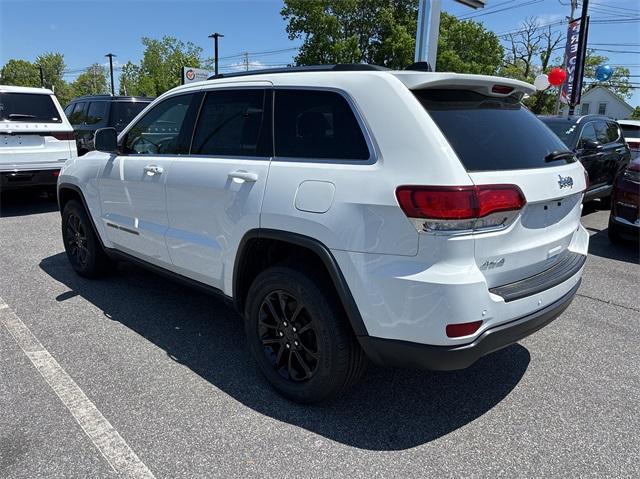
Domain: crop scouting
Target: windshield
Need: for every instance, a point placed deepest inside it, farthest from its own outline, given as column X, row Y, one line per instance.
column 123, row 112
column 28, row 107
column 491, row 133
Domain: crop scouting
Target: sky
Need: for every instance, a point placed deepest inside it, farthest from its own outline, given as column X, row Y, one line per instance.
column 85, row 31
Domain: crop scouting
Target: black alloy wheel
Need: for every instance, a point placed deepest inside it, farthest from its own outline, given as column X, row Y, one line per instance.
column 76, row 238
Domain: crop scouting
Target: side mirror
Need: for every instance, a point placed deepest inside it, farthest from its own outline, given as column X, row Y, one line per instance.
column 106, row 140
column 590, row 145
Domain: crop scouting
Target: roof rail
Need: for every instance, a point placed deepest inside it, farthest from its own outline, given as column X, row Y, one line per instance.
column 338, row 67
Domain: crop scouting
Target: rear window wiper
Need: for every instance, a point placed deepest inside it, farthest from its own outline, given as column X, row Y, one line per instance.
column 13, row 116
column 560, row 155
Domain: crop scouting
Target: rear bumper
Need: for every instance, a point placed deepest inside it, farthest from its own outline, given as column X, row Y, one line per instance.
column 405, row 354
column 14, row 180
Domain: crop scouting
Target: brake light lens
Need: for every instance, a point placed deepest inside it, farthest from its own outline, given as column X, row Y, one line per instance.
column 501, row 89
column 63, row 135
column 447, row 208
column 462, row 329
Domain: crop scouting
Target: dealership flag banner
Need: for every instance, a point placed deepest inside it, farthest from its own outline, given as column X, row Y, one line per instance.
column 571, row 54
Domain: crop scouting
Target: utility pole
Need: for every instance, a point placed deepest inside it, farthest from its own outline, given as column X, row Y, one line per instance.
column 41, row 76
column 215, row 37
column 582, row 54
column 246, row 61
column 574, row 6
column 111, row 55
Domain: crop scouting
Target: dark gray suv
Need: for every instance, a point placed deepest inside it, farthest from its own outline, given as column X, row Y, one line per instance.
column 88, row 113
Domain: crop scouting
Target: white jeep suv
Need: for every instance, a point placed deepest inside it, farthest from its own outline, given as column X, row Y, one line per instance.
column 36, row 138
column 349, row 212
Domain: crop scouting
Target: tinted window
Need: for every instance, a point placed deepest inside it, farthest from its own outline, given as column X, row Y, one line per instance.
column 123, row 112
column 631, row 131
column 602, row 134
column 588, row 134
column 30, row 107
column 317, row 124
column 230, row 124
column 562, row 128
column 159, row 131
column 78, row 114
column 490, row 133
column 69, row 109
column 613, row 133
column 97, row 112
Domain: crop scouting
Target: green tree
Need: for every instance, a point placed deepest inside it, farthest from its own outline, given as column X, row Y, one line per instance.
column 636, row 114
column 20, row 73
column 92, row 82
column 618, row 83
column 162, row 62
column 129, row 79
column 383, row 32
column 53, row 67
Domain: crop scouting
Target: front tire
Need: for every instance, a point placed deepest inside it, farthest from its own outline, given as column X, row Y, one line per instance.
column 299, row 337
column 81, row 242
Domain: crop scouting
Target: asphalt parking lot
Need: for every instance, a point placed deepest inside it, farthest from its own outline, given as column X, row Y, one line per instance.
column 168, row 369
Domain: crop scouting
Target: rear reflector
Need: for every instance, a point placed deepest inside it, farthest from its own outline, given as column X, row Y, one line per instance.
column 460, row 207
column 501, row 89
column 62, row 135
column 462, row 329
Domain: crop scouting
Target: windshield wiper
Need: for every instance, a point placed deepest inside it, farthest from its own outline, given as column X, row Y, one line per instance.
column 19, row 115
column 560, row 155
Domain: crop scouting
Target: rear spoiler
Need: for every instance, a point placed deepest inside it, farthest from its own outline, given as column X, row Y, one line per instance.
column 485, row 84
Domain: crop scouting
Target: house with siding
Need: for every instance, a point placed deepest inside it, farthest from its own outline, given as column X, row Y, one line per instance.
column 602, row 101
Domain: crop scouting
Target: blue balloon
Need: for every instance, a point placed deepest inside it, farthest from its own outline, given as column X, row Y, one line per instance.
column 604, row 72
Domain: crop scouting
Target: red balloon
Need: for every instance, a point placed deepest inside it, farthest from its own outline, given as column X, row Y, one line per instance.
column 557, row 76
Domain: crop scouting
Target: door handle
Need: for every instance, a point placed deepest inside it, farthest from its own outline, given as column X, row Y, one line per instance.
column 244, row 176
column 152, row 170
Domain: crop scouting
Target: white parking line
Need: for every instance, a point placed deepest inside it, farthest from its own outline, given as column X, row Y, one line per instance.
column 103, row 435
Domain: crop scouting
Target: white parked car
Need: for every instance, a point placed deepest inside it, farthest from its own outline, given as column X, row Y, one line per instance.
column 36, row 138
column 415, row 219
column 631, row 132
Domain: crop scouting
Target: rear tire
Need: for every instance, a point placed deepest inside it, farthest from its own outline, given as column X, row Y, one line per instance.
column 81, row 242
column 299, row 337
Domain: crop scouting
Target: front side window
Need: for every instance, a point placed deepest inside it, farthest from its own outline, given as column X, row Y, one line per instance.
column 28, row 107
column 317, row 124
column 159, row 131
column 231, row 124
column 97, row 112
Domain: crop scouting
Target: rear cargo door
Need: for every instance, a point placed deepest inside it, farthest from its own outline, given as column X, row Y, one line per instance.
column 500, row 142
column 33, row 135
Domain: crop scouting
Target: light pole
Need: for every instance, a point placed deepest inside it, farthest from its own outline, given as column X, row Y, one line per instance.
column 429, row 26
column 215, row 37
column 111, row 55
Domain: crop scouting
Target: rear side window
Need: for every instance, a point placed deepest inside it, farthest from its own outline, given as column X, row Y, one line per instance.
column 602, row 132
column 28, row 107
column 489, row 133
column 317, row 124
column 231, row 124
column 631, row 131
column 97, row 112
column 613, row 132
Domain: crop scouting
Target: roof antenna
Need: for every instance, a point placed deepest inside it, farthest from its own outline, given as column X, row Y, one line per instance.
column 420, row 67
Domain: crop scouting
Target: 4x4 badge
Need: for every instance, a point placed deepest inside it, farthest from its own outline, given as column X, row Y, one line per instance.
column 565, row 181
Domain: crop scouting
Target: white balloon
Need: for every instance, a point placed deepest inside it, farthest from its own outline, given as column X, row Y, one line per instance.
column 541, row 82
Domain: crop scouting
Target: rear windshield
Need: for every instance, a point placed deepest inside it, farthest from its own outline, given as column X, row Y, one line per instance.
column 123, row 112
column 28, row 107
column 630, row 131
column 489, row 133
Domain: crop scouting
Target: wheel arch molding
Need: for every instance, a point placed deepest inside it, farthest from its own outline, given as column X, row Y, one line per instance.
column 313, row 246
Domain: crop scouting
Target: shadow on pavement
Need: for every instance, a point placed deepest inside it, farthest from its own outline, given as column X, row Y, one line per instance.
column 599, row 243
column 388, row 410
column 26, row 202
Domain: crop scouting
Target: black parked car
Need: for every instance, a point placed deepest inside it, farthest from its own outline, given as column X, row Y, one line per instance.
column 599, row 145
column 88, row 113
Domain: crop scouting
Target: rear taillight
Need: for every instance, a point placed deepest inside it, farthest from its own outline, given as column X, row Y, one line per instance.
column 634, row 145
column 449, row 208
column 458, row 330
column 62, row 135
